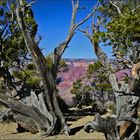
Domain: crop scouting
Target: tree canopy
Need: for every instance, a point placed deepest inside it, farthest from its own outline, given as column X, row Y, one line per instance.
column 121, row 27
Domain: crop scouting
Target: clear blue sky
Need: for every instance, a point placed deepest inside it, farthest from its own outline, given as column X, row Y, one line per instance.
column 53, row 18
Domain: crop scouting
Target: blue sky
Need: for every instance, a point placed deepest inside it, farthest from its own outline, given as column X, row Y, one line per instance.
column 53, row 18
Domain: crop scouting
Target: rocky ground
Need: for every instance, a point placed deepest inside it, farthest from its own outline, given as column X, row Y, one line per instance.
column 7, row 131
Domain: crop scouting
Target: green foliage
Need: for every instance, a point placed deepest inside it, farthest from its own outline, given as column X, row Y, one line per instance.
column 14, row 53
column 28, row 76
column 76, row 86
column 3, row 2
column 93, row 68
column 62, row 64
column 30, row 22
column 30, row 66
column 111, row 107
column 49, row 60
column 29, row 73
column 13, row 45
column 96, row 75
column 122, row 32
column 33, row 81
column 81, row 92
column 126, row 79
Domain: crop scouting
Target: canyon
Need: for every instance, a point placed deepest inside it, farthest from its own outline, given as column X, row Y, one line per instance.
column 76, row 69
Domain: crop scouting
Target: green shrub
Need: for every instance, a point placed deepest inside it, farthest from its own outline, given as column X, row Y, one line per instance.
column 110, row 105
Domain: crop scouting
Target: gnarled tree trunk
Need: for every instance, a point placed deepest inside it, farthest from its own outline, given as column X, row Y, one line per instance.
column 42, row 112
column 126, row 94
column 126, row 98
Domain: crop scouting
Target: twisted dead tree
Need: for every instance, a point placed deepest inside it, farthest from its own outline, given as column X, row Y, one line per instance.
column 126, row 93
column 105, row 125
column 42, row 113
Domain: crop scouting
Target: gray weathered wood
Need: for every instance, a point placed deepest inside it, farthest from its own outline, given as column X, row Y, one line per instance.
column 44, row 111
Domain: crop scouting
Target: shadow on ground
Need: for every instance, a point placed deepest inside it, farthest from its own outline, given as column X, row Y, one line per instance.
column 76, row 129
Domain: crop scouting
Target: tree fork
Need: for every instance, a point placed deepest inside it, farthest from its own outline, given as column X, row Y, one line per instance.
column 47, row 74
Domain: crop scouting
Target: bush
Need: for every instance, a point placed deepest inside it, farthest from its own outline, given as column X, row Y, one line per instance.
column 110, row 106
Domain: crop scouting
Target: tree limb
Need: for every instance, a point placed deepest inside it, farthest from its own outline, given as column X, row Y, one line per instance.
column 117, row 8
column 133, row 10
column 58, row 52
column 85, row 19
column 134, row 120
column 36, row 53
column 85, row 32
column 31, row 3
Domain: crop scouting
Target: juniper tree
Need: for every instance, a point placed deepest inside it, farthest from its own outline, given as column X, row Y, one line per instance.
column 92, row 88
column 42, row 113
column 120, row 21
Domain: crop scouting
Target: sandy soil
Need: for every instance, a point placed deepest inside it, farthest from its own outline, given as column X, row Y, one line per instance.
column 7, row 131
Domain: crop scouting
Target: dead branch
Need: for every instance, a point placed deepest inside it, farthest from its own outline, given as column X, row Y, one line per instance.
column 31, row 3
column 117, row 7
column 58, row 52
column 134, row 120
column 48, row 75
column 134, row 10
column 85, row 19
column 85, row 32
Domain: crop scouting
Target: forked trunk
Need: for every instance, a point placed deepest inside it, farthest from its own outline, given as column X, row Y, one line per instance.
column 42, row 112
column 127, row 99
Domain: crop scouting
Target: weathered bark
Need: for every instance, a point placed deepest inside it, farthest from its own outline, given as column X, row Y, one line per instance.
column 33, row 113
column 26, row 122
column 126, row 94
column 42, row 112
column 107, row 125
column 125, row 105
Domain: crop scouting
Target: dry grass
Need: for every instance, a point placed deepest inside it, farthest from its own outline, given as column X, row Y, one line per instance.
column 7, row 131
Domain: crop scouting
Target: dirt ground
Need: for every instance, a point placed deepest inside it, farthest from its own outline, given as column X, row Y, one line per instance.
column 7, row 131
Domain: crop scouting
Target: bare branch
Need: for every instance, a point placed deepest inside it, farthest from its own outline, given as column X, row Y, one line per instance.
column 85, row 19
column 31, row 3
column 72, row 1
column 12, row 12
column 133, row 10
column 86, row 33
column 117, row 8
column 97, row 49
column 100, row 54
column 136, row 121
column 36, row 53
column 89, row 15
column 58, row 52
column 74, row 11
column 94, row 15
column 3, row 30
column 8, row 6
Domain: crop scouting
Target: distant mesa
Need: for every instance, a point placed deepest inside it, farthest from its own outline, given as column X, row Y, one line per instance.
column 77, row 69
